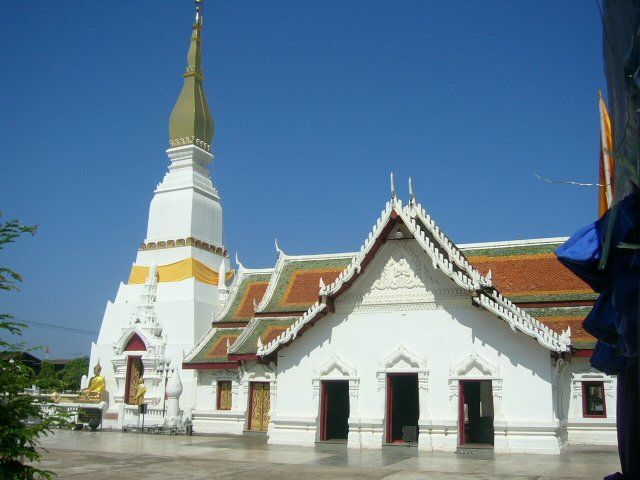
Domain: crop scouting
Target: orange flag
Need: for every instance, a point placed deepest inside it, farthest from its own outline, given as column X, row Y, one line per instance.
column 605, row 197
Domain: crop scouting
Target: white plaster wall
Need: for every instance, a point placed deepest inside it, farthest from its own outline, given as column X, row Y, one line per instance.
column 588, row 431
column 186, row 204
column 185, row 213
column 440, row 334
column 206, row 416
column 184, row 309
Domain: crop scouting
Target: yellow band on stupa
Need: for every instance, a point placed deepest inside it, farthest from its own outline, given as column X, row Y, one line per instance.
column 175, row 272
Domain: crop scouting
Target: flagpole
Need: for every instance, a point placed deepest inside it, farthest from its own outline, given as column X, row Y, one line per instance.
column 606, row 159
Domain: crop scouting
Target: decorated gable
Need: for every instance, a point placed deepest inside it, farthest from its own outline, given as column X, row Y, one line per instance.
column 401, row 273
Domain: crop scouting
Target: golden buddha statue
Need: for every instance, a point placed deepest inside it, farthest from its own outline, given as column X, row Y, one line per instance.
column 96, row 389
column 140, row 391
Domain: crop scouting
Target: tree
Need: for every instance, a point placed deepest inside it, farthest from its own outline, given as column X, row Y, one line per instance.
column 48, row 378
column 21, row 416
column 72, row 373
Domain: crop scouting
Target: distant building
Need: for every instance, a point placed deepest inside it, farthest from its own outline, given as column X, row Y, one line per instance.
column 27, row 358
column 410, row 339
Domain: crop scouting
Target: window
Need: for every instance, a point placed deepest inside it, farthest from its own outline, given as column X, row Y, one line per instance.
column 224, row 395
column 593, row 404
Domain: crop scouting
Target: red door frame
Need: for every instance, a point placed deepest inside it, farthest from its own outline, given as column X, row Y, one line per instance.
column 324, row 406
column 323, row 410
column 389, row 407
column 389, row 419
column 461, row 435
column 127, row 377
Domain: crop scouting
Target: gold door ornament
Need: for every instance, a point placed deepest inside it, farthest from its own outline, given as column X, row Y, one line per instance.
column 224, row 395
column 133, row 377
column 260, row 403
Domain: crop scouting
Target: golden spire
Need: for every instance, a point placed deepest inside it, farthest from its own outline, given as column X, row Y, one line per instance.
column 191, row 122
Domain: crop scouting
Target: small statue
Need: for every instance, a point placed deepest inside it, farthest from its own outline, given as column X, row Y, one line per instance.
column 96, row 388
column 140, row 391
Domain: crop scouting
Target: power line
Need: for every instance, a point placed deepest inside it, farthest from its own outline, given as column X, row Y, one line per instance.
column 56, row 327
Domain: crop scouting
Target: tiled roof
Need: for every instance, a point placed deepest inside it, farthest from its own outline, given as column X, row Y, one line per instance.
column 214, row 349
column 265, row 328
column 529, row 273
column 249, row 285
column 295, row 283
column 559, row 318
column 444, row 255
column 526, row 272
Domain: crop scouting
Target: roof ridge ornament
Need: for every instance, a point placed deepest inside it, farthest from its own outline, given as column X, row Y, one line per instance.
column 411, row 194
column 239, row 263
column 278, row 249
column 393, row 186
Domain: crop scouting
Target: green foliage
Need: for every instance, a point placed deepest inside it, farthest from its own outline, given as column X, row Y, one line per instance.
column 48, row 379
column 22, row 418
column 9, row 232
column 72, row 373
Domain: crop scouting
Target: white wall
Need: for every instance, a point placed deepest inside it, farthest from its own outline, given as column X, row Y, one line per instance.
column 583, row 430
column 442, row 328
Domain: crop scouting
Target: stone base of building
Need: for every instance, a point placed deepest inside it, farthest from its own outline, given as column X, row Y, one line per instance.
column 221, row 422
column 509, row 437
column 594, row 432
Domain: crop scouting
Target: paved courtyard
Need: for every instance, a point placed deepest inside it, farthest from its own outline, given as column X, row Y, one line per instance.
column 115, row 455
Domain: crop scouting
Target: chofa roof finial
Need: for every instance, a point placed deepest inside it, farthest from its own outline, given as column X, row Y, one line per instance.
column 411, row 193
column 238, row 262
column 393, row 186
column 278, row 249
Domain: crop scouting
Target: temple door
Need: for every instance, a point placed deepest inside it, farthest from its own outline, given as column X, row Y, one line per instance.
column 134, row 372
column 259, row 408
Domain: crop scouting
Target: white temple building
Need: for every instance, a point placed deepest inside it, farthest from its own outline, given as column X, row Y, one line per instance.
column 411, row 339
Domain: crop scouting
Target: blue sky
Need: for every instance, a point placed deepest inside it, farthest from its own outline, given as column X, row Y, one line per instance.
column 314, row 103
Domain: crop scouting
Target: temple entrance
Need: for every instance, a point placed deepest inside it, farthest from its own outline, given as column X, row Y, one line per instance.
column 259, row 403
column 334, row 410
column 403, row 409
column 476, row 413
column 134, row 372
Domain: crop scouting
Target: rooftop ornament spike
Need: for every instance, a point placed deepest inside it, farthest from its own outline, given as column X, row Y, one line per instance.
column 222, row 276
column 393, row 186
column 278, row 249
column 411, row 194
column 238, row 262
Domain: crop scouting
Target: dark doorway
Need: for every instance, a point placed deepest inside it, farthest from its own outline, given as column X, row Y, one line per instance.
column 334, row 411
column 476, row 412
column 403, row 409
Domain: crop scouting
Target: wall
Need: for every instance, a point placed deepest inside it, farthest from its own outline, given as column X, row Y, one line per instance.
column 407, row 305
column 583, row 430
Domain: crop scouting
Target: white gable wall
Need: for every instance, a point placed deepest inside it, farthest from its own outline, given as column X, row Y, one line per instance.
column 402, row 304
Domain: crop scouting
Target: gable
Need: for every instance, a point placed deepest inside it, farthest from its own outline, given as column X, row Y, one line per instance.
column 401, row 274
column 398, row 222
